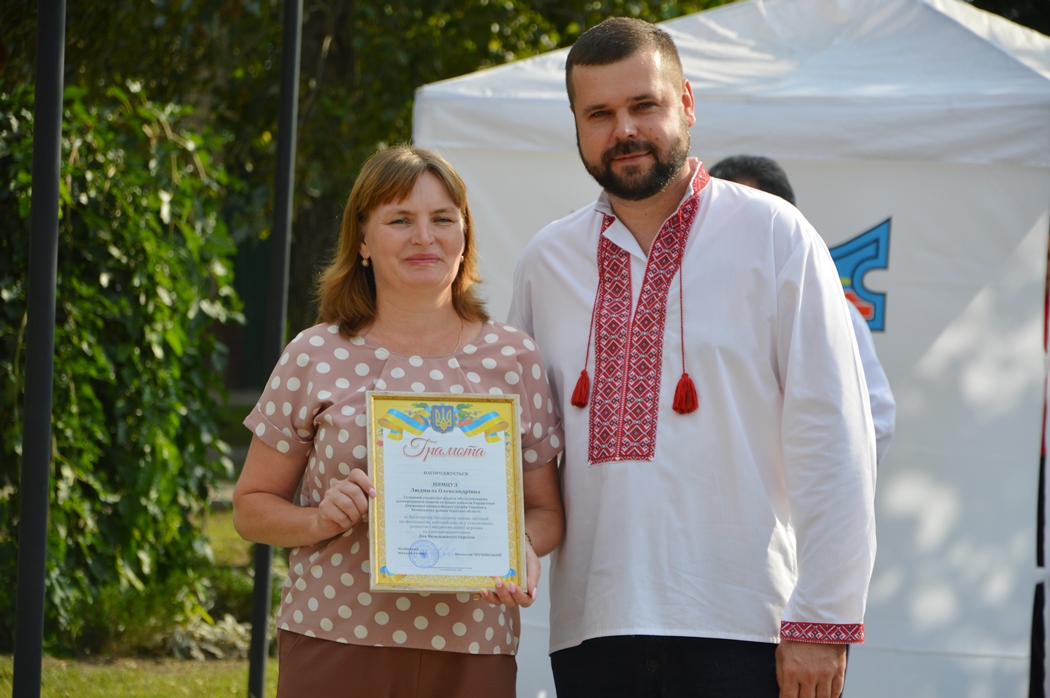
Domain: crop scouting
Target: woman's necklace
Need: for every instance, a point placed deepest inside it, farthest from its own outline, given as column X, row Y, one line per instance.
column 412, row 346
column 459, row 337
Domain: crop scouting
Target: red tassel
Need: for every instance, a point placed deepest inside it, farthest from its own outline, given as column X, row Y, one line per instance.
column 685, row 399
column 582, row 391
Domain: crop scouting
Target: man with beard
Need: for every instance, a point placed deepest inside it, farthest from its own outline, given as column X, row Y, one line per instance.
column 720, row 465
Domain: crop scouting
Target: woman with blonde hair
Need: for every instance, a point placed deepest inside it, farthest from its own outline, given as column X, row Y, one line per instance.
column 397, row 311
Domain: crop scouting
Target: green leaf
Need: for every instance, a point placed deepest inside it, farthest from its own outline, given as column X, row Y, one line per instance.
column 135, row 367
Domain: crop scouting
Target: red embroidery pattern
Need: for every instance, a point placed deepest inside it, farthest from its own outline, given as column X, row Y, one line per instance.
column 833, row 633
column 628, row 354
column 611, row 327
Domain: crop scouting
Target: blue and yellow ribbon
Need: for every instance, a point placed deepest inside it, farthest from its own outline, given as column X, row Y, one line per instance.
column 489, row 423
column 385, row 575
column 397, row 422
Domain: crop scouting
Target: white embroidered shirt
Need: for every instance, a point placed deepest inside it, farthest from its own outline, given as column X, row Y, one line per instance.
column 751, row 518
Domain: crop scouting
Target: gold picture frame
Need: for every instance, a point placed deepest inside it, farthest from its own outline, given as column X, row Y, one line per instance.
column 449, row 511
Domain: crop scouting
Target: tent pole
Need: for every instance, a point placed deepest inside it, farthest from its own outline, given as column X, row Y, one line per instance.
column 34, row 484
column 277, row 305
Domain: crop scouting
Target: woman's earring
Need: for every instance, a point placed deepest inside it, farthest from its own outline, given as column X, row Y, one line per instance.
column 365, row 262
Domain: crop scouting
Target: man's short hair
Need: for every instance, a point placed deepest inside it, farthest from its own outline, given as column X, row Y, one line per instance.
column 756, row 171
column 618, row 38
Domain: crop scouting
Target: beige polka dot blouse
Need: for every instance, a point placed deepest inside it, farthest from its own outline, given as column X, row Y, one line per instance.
column 314, row 407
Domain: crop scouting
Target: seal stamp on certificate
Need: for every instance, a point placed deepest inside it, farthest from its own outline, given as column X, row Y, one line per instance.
column 449, row 513
column 423, row 554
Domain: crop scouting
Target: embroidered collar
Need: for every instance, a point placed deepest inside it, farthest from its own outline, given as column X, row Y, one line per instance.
column 628, row 351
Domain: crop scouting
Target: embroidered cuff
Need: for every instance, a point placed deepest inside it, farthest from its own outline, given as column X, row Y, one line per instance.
column 831, row 633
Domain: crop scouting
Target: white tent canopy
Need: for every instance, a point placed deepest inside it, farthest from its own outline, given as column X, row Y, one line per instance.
column 934, row 116
column 857, row 79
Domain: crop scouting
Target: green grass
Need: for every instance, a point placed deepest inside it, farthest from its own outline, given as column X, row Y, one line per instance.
column 132, row 677
column 230, row 549
column 141, row 678
column 230, row 580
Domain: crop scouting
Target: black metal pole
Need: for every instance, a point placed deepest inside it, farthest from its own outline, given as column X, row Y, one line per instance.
column 280, row 243
column 34, row 484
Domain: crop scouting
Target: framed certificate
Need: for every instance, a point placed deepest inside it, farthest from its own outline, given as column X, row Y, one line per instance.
column 449, row 513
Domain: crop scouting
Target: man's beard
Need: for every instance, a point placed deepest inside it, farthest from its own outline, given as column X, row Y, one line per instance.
column 636, row 186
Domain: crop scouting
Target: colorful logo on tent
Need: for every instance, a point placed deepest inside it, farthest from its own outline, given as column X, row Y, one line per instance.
column 855, row 258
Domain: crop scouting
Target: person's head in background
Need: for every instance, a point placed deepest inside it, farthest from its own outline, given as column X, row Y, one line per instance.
column 757, row 172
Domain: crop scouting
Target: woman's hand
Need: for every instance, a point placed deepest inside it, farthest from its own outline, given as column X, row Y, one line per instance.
column 262, row 501
column 511, row 595
column 345, row 504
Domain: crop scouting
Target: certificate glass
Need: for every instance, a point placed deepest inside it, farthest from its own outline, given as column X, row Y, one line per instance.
column 449, row 514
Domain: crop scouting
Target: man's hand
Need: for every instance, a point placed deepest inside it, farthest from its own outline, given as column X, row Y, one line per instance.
column 810, row 669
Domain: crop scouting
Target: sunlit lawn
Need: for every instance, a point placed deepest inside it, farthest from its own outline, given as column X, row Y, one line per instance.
column 141, row 678
column 125, row 677
column 229, row 548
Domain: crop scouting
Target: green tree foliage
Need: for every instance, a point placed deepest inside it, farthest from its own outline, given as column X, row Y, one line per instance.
column 361, row 64
column 143, row 272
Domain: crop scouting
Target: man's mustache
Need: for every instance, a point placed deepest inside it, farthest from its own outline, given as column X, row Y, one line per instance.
column 626, row 148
